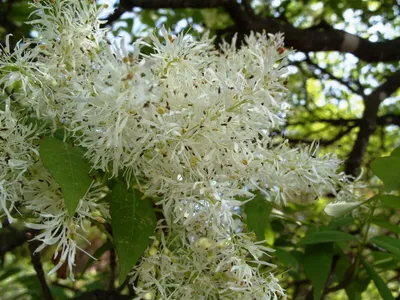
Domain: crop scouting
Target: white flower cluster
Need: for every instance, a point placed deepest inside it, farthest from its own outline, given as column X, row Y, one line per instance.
column 16, row 156
column 189, row 124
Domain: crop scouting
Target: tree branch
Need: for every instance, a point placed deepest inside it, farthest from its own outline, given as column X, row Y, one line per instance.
column 118, row 12
column 388, row 119
column 369, row 121
column 315, row 39
column 305, row 40
column 37, row 265
column 11, row 239
column 155, row 4
column 336, row 138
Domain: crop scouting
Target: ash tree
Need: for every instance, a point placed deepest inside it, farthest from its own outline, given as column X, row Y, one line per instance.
column 191, row 159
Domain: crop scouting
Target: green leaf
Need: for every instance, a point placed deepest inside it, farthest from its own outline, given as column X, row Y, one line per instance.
column 269, row 235
column 6, row 273
column 379, row 283
column 133, row 221
column 68, row 168
column 388, row 170
column 396, row 152
column 325, row 236
column 286, row 258
column 317, row 264
column 386, row 224
column 356, row 288
column 390, row 201
column 390, row 244
column 258, row 211
column 342, row 266
column 385, row 260
column 20, row 12
column 340, row 222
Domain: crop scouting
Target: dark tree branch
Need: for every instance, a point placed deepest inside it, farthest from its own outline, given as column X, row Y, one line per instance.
column 369, row 121
column 37, row 265
column 118, row 12
column 248, row 8
column 388, row 119
column 11, row 240
column 312, row 40
column 305, row 40
column 335, row 122
column 336, row 138
column 155, row 4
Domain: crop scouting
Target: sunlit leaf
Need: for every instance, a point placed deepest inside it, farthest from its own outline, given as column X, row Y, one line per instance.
column 388, row 170
column 258, row 211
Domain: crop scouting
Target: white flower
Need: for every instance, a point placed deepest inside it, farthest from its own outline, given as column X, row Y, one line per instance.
column 44, row 199
column 206, row 267
column 17, row 154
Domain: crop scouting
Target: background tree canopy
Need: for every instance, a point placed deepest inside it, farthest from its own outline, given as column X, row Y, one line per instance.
column 345, row 89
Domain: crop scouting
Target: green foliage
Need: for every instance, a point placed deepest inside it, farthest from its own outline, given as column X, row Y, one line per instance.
column 317, row 264
column 68, row 168
column 390, row 244
column 387, row 169
column 133, row 221
column 379, row 283
column 258, row 211
column 390, row 201
column 325, row 236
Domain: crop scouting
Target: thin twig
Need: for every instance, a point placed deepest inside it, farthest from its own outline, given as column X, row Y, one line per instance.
column 37, row 265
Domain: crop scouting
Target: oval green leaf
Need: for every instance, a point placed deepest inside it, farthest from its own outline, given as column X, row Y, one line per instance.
column 68, row 168
column 317, row 265
column 396, row 152
column 133, row 221
column 388, row 170
column 286, row 258
column 326, row 236
column 258, row 211
column 390, row 201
